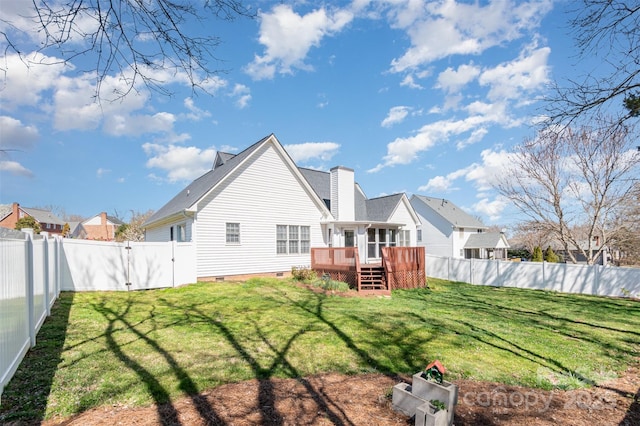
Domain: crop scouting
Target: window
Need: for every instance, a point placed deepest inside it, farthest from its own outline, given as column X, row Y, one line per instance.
column 305, row 239
column 233, row 233
column 419, row 234
column 293, row 239
column 404, row 238
column 281, row 239
column 182, row 232
column 393, row 237
column 371, row 242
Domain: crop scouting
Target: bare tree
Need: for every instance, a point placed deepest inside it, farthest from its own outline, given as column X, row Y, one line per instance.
column 134, row 38
column 527, row 235
column 607, row 30
column 628, row 240
column 572, row 185
column 133, row 231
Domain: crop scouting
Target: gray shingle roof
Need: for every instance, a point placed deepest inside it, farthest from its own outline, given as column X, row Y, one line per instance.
column 199, row 187
column 380, row 209
column 5, row 210
column 43, row 216
column 450, row 212
column 320, row 182
column 374, row 209
column 485, row 240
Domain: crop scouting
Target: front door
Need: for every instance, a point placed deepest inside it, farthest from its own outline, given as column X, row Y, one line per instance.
column 349, row 238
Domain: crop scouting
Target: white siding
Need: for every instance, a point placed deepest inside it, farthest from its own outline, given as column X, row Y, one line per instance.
column 259, row 195
column 437, row 233
column 96, row 220
column 342, row 195
column 403, row 215
column 163, row 233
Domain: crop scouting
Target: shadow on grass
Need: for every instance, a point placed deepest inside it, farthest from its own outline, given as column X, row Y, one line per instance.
column 266, row 403
column 25, row 397
column 167, row 413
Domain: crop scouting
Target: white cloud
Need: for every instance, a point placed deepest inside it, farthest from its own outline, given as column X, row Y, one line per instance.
column 445, row 28
column 15, row 168
column 312, row 150
column 101, row 172
column 510, row 80
column 451, row 80
column 26, row 79
column 242, row 94
column 137, row 124
column 182, row 164
column 406, row 150
column 15, row 135
column 491, row 208
column 288, row 37
column 444, row 183
column 409, row 82
column 195, row 113
column 491, row 171
column 396, row 115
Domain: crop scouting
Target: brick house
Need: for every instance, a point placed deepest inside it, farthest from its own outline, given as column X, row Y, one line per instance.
column 10, row 214
column 99, row 227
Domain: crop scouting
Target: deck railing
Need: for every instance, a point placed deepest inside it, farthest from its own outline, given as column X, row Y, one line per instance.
column 404, row 267
column 340, row 263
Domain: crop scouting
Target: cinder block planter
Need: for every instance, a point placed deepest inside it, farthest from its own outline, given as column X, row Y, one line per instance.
column 428, row 415
column 428, row 390
column 404, row 401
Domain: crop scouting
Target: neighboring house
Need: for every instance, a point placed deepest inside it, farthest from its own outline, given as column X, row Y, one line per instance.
column 10, row 214
column 604, row 258
column 257, row 212
column 99, row 227
column 449, row 231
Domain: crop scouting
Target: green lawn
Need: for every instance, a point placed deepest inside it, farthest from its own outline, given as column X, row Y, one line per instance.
column 137, row 348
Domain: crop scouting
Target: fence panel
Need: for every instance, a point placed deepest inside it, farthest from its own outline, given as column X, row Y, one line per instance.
column 566, row 278
column 619, row 282
column 459, row 270
column 15, row 338
column 39, row 275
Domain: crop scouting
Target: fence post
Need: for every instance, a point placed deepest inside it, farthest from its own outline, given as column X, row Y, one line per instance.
column 471, row 271
column 29, row 266
column 45, row 273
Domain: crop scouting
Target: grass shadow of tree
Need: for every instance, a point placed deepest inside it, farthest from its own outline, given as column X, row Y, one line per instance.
column 167, row 413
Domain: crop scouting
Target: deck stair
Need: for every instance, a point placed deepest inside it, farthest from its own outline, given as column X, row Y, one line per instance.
column 373, row 280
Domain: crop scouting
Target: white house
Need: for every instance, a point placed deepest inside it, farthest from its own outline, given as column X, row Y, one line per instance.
column 450, row 232
column 257, row 212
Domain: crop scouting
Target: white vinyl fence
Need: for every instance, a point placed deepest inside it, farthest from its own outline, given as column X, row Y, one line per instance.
column 595, row 280
column 34, row 269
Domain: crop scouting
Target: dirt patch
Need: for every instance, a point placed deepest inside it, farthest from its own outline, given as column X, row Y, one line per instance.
column 335, row 399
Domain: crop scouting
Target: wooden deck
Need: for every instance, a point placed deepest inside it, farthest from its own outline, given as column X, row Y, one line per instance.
column 401, row 267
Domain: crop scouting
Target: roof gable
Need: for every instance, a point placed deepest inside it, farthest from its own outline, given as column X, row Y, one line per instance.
column 225, row 164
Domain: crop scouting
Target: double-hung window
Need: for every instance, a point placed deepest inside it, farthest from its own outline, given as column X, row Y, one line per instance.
column 293, row 239
column 233, row 233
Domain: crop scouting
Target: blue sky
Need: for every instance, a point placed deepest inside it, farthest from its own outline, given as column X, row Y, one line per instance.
column 417, row 97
